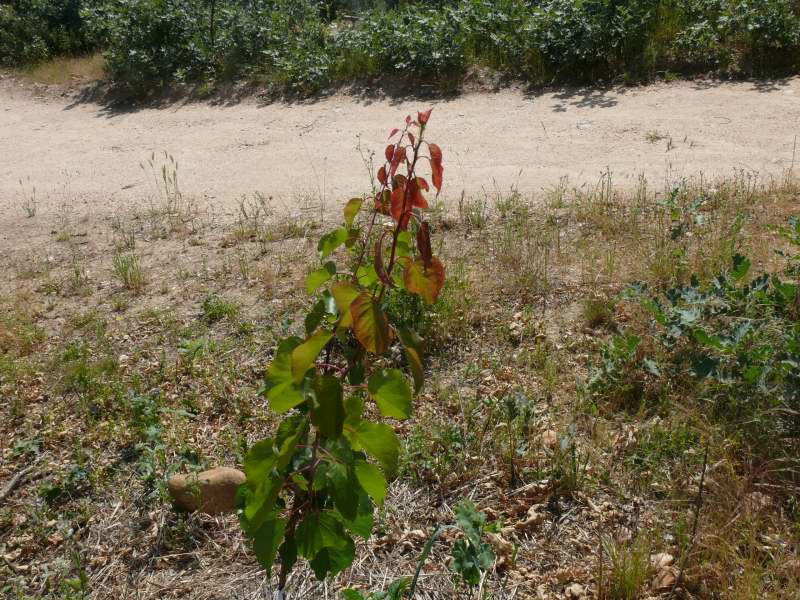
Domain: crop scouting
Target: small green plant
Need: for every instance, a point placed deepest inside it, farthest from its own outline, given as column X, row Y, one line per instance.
column 216, row 308
column 314, row 485
column 568, row 465
column 472, row 556
column 128, row 270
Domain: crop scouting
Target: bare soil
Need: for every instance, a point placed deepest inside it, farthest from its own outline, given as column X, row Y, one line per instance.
column 283, row 149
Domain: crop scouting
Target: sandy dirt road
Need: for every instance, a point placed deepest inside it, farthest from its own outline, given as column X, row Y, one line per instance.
column 86, row 152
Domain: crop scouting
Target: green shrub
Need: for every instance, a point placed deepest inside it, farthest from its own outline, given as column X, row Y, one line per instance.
column 732, row 343
column 33, row 30
column 420, row 41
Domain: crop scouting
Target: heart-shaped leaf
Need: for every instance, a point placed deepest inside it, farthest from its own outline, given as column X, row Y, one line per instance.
column 370, row 324
column 390, row 391
column 422, row 280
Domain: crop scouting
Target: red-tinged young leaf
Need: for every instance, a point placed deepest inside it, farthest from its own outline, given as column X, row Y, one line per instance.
column 424, row 244
column 383, row 202
column 427, row 282
column 417, row 199
column 408, row 119
column 370, row 324
column 412, row 138
column 437, row 171
column 401, row 210
column 382, row 175
column 398, row 158
column 422, row 183
column 393, row 132
column 423, row 117
column 389, row 152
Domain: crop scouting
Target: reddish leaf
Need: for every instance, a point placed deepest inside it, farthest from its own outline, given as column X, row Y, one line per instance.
column 422, row 280
column 393, row 132
column 408, row 119
column 401, row 209
column 412, row 138
column 424, row 244
column 382, row 175
column 396, row 159
column 370, row 324
column 389, row 152
column 436, row 166
column 383, row 202
column 422, row 183
column 417, row 199
column 424, row 116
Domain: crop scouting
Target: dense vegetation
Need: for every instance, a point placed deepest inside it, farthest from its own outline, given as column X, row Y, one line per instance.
column 306, row 45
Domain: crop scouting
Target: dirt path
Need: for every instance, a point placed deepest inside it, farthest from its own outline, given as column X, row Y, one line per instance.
column 682, row 129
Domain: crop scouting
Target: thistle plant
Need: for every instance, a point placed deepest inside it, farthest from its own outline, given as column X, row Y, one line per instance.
column 314, row 484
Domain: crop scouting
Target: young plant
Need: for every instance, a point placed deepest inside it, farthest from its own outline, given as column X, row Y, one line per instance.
column 472, row 556
column 314, row 484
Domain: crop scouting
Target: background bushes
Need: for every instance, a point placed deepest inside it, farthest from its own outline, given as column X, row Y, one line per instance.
column 33, row 30
column 305, row 45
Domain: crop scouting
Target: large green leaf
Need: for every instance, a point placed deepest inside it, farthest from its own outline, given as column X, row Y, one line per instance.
column 361, row 524
column 343, row 488
column 282, row 392
column 331, row 241
column 262, row 465
column 390, row 391
column 344, row 293
column 304, row 355
column 422, row 280
column 328, row 414
column 370, row 324
column 320, row 276
column 378, row 440
column 372, row 480
column 330, row 561
column 267, row 539
column 318, row 530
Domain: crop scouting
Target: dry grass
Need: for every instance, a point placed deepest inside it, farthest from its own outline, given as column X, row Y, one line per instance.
column 65, row 70
column 112, row 388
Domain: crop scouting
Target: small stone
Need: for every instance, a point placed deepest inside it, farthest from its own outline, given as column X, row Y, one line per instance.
column 661, row 560
column 575, row 591
column 212, row 492
column 549, row 438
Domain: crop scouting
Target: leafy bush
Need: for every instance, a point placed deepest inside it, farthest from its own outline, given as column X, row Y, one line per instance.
column 305, row 45
column 422, row 42
column 159, row 41
column 33, row 30
column 732, row 342
column 722, row 33
column 590, row 37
